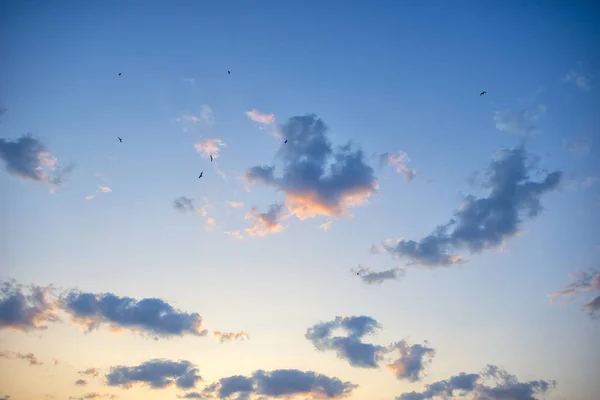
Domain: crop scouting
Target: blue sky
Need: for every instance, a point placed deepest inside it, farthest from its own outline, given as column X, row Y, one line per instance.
column 401, row 83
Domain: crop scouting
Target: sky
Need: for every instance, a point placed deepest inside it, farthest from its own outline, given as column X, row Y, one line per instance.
column 299, row 200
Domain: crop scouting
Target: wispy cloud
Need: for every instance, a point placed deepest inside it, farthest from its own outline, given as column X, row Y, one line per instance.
column 483, row 223
column 583, row 282
column 235, row 204
column 377, row 277
column 189, row 81
column 578, row 79
column 155, row 374
column 210, row 147
column 89, row 372
column 325, row 226
column 26, row 310
column 29, row 357
column 204, row 116
column 229, row 336
column 29, row 159
column 576, row 147
column 264, row 223
column 317, row 180
column 520, row 122
column 235, row 234
column 260, row 118
column 398, row 161
column 94, row 395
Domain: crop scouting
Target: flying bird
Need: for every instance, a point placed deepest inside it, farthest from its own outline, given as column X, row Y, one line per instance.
column 482, row 93
column 200, row 175
column 228, row 72
column 119, row 74
column 211, row 158
column 285, row 141
column 120, row 140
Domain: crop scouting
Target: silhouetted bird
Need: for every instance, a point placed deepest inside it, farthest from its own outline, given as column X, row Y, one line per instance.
column 211, row 158
column 482, row 93
column 120, row 140
column 200, row 175
column 285, row 141
column 228, row 72
column 358, row 273
column 119, row 74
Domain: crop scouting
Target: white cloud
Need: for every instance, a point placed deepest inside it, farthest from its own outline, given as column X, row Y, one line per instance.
column 235, row 204
column 205, row 116
column 104, row 189
column 578, row 79
column 521, row 122
column 400, row 162
column 209, row 147
column 235, row 234
column 260, row 118
column 325, row 226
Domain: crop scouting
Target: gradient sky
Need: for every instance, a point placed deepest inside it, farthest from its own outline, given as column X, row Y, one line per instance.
column 390, row 77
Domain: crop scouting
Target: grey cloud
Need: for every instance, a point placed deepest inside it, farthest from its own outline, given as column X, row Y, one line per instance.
column 81, row 382
column 89, row 372
column 593, row 307
column 157, row 374
column 286, row 383
column 5, row 397
column 370, row 277
column 575, row 147
column 583, row 282
column 316, row 179
column 192, row 395
column 464, row 385
column 94, row 395
column 267, row 222
column 150, row 315
column 412, row 361
column 29, row 357
column 184, row 204
column 482, row 223
column 28, row 158
column 25, row 312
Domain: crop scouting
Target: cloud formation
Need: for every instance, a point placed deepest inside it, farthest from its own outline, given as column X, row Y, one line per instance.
column 281, row 383
column 89, row 372
column 25, row 312
column 577, row 148
column 398, row 161
column 578, row 79
column 81, row 382
column 235, row 204
column 184, row 204
column 229, row 336
column 409, row 366
column 29, row 357
column 260, row 118
column 584, row 282
column 209, row 147
column 29, row 159
column 205, row 116
column 317, row 179
column 151, row 316
column 156, row 374
column 94, row 395
column 520, row 122
column 264, row 223
column 370, row 277
column 473, row 386
column 483, row 223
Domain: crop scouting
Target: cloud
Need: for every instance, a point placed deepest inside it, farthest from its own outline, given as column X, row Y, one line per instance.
column 590, row 180
column 260, row 118
column 210, row 146
column 205, row 116
column 55, row 361
column 483, row 223
column 29, row 159
column 94, row 395
column 317, row 179
column 157, row 374
column 326, row 226
column 184, row 204
column 235, row 234
column 520, row 122
column 229, row 336
column 89, row 372
column 399, row 162
column 583, row 282
column 281, row 383
column 5, row 397
column 412, row 361
column 577, row 148
column 264, row 223
column 578, row 79
column 29, row 357
column 25, row 312
column 473, row 386
column 81, row 382
column 151, row 316
column 192, row 395
column 100, row 189
column 189, row 81
column 235, row 204
column 372, row 277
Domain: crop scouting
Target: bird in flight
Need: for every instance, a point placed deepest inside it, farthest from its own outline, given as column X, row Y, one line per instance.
column 200, row 175
column 228, row 72
column 120, row 140
column 482, row 93
column 119, row 74
column 285, row 141
column 211, row 158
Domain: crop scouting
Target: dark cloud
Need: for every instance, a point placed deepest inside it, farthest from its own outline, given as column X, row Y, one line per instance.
column 583, row 282
column 151, row 315
column 287, row 383
column 505, row 386
column 316, row 178
column 30, row 159
column 192, row 395
column 264, row 223
column 89, row 372
column 412, row 361
column 29, row 357
column 482, row 223
column 157, row 374
column 94, row 395
column 25, row 312
column 5, row 397
column 377, row 277
column 81, row 382
column 184, row 204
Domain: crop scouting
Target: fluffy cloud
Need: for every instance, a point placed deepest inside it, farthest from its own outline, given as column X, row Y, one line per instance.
column 81, row 382
column 398, row 161
column 520, row 122
column 317, row 179
column 29, row 159
column 411, row 363
column 229, row 336
column 264, row 223
column 260, row 118
column 184, row 204
column 152, row 316
column 210, row 147
column 473, row 386
column 578, row 79
column 583, row 282
column 29, row 357
column 482, row 223
column 285, row 383
column 89, row 372
column 157, row 374
column 377, row 277
column 25, row 312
